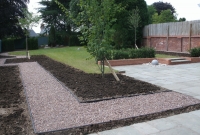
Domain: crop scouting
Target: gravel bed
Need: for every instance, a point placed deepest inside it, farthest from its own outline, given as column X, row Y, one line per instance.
column 54, row 108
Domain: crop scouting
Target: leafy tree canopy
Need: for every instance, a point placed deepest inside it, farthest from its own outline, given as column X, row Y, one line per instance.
column 151, row 12
column 182, row 19
column 165, row 16
column 160, row 6
column 10, row 11
column 51, row 14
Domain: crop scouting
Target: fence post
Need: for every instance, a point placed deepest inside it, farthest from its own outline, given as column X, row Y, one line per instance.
column 148, row 38
column 167, row 38
column 190, row 33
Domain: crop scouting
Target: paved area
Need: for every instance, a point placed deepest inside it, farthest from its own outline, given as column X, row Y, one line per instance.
column 184, row 78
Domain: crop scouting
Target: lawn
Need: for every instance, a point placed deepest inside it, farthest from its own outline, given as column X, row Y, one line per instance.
column 73, row 56
column 165, row 56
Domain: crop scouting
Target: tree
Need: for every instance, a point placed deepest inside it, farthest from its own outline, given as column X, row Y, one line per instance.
column 10, row 11
column 95, row 20
column 123, row 37
column 27, row 23
column 52, row 15
column 101, row 16
column 164, row 17
column 134, row 20
column 182, row 19
column 160, row 6
column 151, row 12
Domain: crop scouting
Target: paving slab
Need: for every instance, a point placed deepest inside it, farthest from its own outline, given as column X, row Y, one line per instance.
column 188, row 120
column 177, row 131
column 145, row 128
column 197, row 113
column 162, row 124
column 128, row 130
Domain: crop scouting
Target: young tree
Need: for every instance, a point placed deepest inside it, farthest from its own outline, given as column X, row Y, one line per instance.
column 134, row 19
column 95, row 20
column 27, row 23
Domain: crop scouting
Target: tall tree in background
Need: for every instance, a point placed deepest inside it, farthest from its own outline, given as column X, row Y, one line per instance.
column 182, row 19
column 123, row 37
column 160, row 6
column 160, row 12
column 151, row 12
column 10, row 11
column 51, row 14
column 164, row 17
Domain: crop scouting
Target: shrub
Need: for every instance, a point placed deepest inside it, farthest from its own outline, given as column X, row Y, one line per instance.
column 195, row 52
column 120, row 54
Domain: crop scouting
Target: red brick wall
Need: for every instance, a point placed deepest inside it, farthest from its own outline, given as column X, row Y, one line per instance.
column 175, row 44
column 185, row 44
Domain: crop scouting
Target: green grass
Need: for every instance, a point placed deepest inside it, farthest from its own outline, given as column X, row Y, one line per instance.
column 69, row 55
column 165, row 56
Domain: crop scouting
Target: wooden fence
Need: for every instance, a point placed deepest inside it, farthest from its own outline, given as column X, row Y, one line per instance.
column 173, row 36
column 173, row 29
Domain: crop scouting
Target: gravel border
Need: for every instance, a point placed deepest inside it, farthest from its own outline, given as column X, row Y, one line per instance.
column 54, row 108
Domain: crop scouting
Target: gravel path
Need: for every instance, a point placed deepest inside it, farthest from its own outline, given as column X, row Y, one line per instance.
column 53, row 107
column 2, row 62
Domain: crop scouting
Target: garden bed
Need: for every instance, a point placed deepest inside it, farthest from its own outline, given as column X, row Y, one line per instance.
column 92, row 87
column 14, row 118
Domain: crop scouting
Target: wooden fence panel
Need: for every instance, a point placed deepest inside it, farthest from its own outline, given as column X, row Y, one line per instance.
column 175, row 29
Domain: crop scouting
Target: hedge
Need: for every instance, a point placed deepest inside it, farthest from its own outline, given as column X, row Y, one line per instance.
column 13, row 44
column 132, row 53
column 8, row 45
column 195, row 52
column 129, row 53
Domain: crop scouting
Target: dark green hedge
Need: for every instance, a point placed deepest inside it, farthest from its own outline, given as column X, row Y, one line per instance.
column 13, row 44
column 132, row 53
column 195, row 52
column 32, row 43
column 8, row 45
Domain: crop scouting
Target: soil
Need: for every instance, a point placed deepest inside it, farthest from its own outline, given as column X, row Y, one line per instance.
column 3, row 56
column 14, row 118
column 92, row 87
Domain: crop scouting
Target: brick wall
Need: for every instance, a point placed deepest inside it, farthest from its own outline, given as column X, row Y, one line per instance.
column 173, row 43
